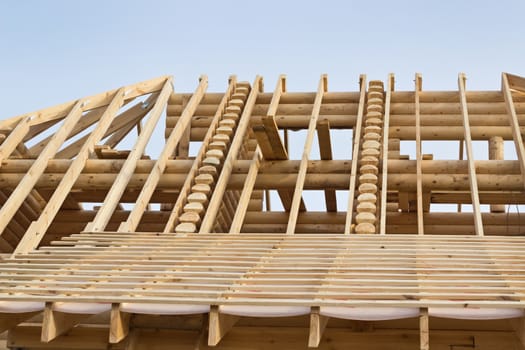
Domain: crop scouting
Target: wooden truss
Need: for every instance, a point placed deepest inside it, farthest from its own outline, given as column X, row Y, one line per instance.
column 98, row 230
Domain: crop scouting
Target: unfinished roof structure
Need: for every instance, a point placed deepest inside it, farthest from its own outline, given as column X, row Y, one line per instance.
column 214, row 239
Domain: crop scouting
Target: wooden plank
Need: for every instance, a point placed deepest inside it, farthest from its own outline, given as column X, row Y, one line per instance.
column 384, row 167
column 14, row 138
column 325, row 150
column 243, row 124
column 57, row 323
column 91, row 102
column 132, row 115
column 297, row 195
column 419, row 175
column 461, row 151
column 318, row 324
column 38, row 228
column 190, row 177
column 515, row 82
column 424, row 340
column 219, row 325
column 514, row 123
column 355, row 154
column 470, row 157
column 246, row 194
column 115, row 193
column 118, row 324
column 37, row 169
column 160, row 165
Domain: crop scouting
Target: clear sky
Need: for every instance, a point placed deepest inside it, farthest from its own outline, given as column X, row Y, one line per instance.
column 54, row 51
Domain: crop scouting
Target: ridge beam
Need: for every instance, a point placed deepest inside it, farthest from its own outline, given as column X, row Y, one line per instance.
column 219, row 325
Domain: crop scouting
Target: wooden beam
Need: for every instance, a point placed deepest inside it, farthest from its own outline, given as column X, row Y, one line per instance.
column 461, row 151
column 244, row 122
column 298, row 191
column 15, row 137
column 160, row 165
column 424, row 339
column 219, row 325
column 56, row 323
column 318, row 324
column 122, row 121
column 246, row 194
column 37, row 229
column 419, row 175
column 515, row 82
column 325, row 150
column 190, row 177
column 514, row 123
column 470, row 157
column 355, row 154
column 118, row 324
column 115, row 193
column 384, row 167
column 29, row 180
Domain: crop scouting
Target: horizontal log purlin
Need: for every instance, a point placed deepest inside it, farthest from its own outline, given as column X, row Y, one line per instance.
column 182, row 166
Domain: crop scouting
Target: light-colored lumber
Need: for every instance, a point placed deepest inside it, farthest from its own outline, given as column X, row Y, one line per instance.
column 424, row 340
column 297, row 195
column 171, row 143
column 419, row 185
column 220, row 187
column 514, row 123
column 37, row 229
column 325, row 150
column 318, row 324
column 247, row 191
column 219, row 325
column 112, row 199
column 355, row 155
column 385, row 145
column 56, row 323
column 118, row 324
column 474, row 190
column 28, row 181
column 190, row 177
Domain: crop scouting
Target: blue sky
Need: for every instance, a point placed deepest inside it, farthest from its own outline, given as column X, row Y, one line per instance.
column 53, row 51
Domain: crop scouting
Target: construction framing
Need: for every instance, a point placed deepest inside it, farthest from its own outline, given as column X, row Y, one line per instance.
column 244, row 220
